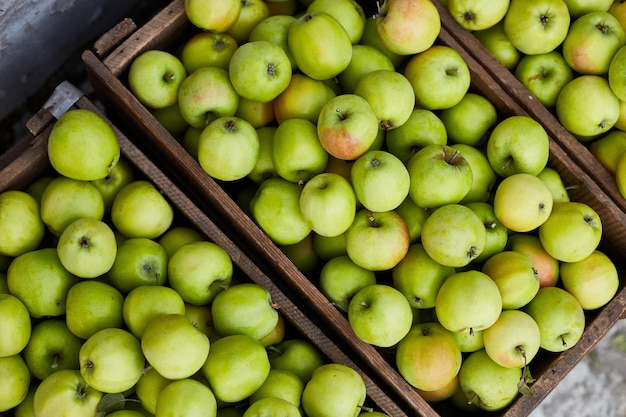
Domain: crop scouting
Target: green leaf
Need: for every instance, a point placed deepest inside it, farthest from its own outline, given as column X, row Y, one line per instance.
column 111, row 402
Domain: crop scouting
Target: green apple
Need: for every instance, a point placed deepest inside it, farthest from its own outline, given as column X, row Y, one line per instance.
column 578, row 8
column 536, row 26
column 205, row 95
column 414, row 217
column 408, row 27
column 365, row 59
column 87, row 248
column 15, row 379
column 171, row 119
column 347, row 12
column 66, row 393
column 280, row 384
column 431, row 396
column 120, row 175
column 272, row 406
column 198, row 271
column 190, row 140
column 237, row 366
column 21, row 226
column 544, row 264
column 370, row 38
column 419, row 277
column 497, row 233
column 486, row 384
column 213, row 15
column 470, row 342
column 202, row 319
column 593, row 280
column 594, row 115
column 177, row 236
column 297, row 153
column 303, row 254
column 484, row 178
column 207, row 49
column 572, row 231
column 468, row 301
column 347, row 126
column 439, row 175
column 274, row 29
column 428, row 357
column 496, row 41
column 334, row 389
column 515, row 276
column 38, row 185
column 92, row 306
column 544, row 75
column 423, row 127
column 620, row 175
column 296, row 355
column 26, row 407
column 141, row 210
column 340, row 279
column 257, row 113
column 252, row 12
column 15, row 325
column 477, row 15
column 380, row 315
column 453, row 235
column 188, row 397
column 319, row 57
column 377, row 240
column 615, row 73
column 154, row 77
column 148, row 388
column 522, row 202
column 147, row 302
column 139, row 261
column 440, row 66
column 609, row 148
column 552, row 179
column 329, row 247
column 470, row 120
column 264, row 167
column 560, row 317
column 303, row 98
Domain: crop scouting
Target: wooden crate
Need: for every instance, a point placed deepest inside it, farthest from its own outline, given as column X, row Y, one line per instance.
column 28, row 160
column 107, row 72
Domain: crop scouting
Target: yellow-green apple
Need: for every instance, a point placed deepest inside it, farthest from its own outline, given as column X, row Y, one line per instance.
column 273, row 406
column 422, row 128
column 264, row 167
column 441, row 165
column 303, row 98
column 609, row 148
column 139, row 261
column 213, row 15
column 428, row 357
column 552, row 179
column 16, row 381
column 15, row 324
column 186, row 396
column 370, row 37
column 560, row 317
column 328, row 204
column 470, row 342
column 620, row 175
column 618, row 10
column 207, row 49
column 441, row 66
column 51, row 348
column 148, row 388
column 377, row 240
column 496, row 41
column 468, row 301
column 544, row 75
column 615, row 74
column 431, row 396
column 328, row 247
column 296, row 355
column 66, row 393
column 154, row 77
column 536, row 26
column 141, row 210
column 497, row 233
column 65, row 200
column 592, row 41
column 515, row 276
column 513, row 340
column 174, row 346
column 275, row 208
column 380, row 315
column 228, row 148
column 177, row 236
column 319, row 57
column 336, row 387
column 419, row 277
column 572, row 231
column 390, row 95
column 414, row 217
column 198, row 271
column 259, row 70
column 408, row 27
column 92, row 306
column 578, row 8
column 257, row 113
column 111, row 360
column 453, row 235
column 190, row 140
column 38, row 185
column 120, row 175
column 237, row 365
column 274, row 29
column 256, row 316
column 484, row 178
column 252, row 12
column 593, row 280
column 201, row 317
column 277, row 334
column 522, row 202
column 470, row 120
column 545, row 265
column 41, row 282
column 171, row 119
column 347, row 12
column 297, row 154
column 477, row 15
column 365, row 59
column 74, row 157
column 347, row 126
column 147, row 302
column 303, row 255
column 87, row 247
column 594, row 115
column 205, row 95
column 486, row 384
column 380, row 180
column 340, row 278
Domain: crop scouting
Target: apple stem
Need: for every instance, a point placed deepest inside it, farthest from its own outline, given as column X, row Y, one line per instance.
column 471, row 331
column 59, row 304
column 365, row 408
column 506, row 164
column 55, row 361
column 380, row 5
column 563, row 341
column 168, row 77
column 454, row 155
column 274, row 349
column 146, row 369
column 372, row 220
column 490, row 224
column 471, row 398
column 602, row 28
column 386, row 125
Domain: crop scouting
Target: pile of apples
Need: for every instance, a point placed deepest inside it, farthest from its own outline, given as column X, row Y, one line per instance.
column 572, row 59
column 111, row 304
column 358, row 145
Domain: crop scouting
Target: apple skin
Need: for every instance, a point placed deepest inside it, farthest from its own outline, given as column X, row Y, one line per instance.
column 92, row 306
column 365, row 59
column 66, row 393
column 617, row 9
column 16, row 379
column 139, row 261
column 414, row 217
column 470, row 342
column 497, row 233
column 513, row 340
column 175, row 237
column 207, row 49
column 303, row 255
column 20, row 223
column 273, row 406
column 340, row 278
column 609, row 148
column 296, row 355
column 483, row 176
column 303, row 98
column 154, row 77
column 347, row 12
column 257, row 113
column 578, row 8
column 593, row 281
column 495, row 40
column 148, row 388
column 423, row 127
column 546, row 266
column 334, row 387
column 264, row 167
column 252, row 12
column 615, row 73
column 275, row 29
column 428, row 357
column 213, row 15
column 15, row 324
column 515, row 277
column 544, row 75
column 370, row 38
column 147, row 302
column 620, row 175
column 475, row 16
column 552, row 179
column 470, row 120
column 120, row 175
column 187, row 397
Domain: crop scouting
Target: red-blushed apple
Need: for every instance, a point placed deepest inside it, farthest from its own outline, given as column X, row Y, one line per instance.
column 207, row 49
column 275, row 29
column 340, row 278
column 377, row 240
column 546, row 266
column 513, row 340
column 257, row 113
column 515, row 277
column 609, row 148
column 453, row 235
column 365, row 59
column 147, row 302
column 552, row 179
column 593, row 280
column 213, row 15
column 470, row 120
column 468, row 301
column 572, row 231
column 433, row 396
column 66, row 393
column 414, row 217
column 370, row 37
column 497, row 233
column 428, row 357
column 423, row 127
column 154, row 77
column 187, row 396
column 347, row 12
column 15, row 324
column 477, row 15
column 544, row 75
column 252, row 12
column 303, row 98
column 495, row 40
column 336, row 387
